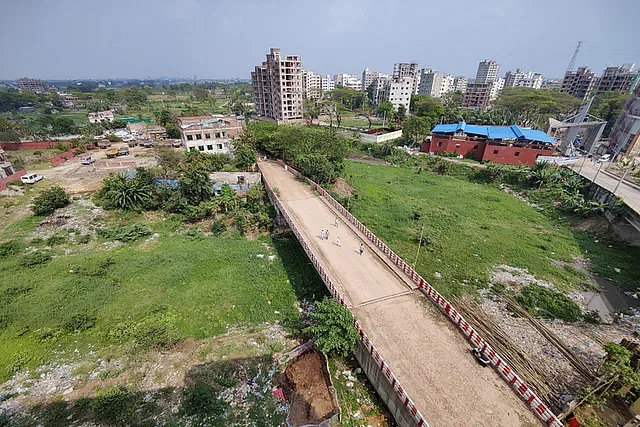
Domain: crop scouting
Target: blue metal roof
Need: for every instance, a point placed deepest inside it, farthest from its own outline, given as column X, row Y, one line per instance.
column 495, row 132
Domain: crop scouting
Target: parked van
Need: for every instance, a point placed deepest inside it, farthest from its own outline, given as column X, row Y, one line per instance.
column 31, row 178
column 123, row 150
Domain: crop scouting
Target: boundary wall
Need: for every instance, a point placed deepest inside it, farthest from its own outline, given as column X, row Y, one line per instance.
column 13, row 177
column 497, row 362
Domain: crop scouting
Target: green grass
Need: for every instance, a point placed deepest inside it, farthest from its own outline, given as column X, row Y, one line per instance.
column 360, row 122
column 149, row 294
column 468, row 228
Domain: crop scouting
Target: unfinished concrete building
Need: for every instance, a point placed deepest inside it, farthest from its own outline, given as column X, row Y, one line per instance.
column 277, row 88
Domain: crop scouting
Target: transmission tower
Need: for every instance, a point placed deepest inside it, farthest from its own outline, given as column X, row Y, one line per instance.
column 572, row 63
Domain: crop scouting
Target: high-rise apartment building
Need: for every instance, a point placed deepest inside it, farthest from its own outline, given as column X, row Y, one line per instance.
column 277, row 87
column 579, row 83
column 519, row 78
column 327, row 83
column 487, row 71
column 31, row 85
column 460, row 83
column 367, row 78
column 398, row 91
column 348, row 81
column 379, row 84
column 311, row 85
column 625, row 135
column 407, row 69
column 617, row 79
column 478, row 96
column 552, row 84
column 435, row 84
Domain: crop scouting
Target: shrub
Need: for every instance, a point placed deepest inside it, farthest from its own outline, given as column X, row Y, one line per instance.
column 50, row 200
column 333, row 328
column 153, row 335
column 80, row 322
column 114, row 405
column 218, row 227
column 202, row 398
column 543, row 302
column 120, row 192
column 125, row 233
column 56, row 239
column 83, row 239
column 35, row 258
column 9, row 248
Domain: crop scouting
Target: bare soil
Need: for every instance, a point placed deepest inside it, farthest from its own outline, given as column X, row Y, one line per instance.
column 306, row 389
column 342, row 188
column 367, row 159
column 596, row 224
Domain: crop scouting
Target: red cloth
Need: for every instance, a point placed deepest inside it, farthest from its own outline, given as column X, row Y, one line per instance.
column 279, row 394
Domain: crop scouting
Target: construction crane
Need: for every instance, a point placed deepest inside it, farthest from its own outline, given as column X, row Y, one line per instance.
column 572, row 63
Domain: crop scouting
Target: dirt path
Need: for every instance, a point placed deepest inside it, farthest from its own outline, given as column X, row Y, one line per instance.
column 426, row 353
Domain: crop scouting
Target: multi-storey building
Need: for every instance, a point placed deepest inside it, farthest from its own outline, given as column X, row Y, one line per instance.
column 311, row 85
column 447, row 85
column 579, row 83
column 478, row 95
column 348, row 81
column 487, row 71
column 367, row 78
column 378, row 88
column 101, row 116
column 407, row 69
column 430, row 83
column 31, row 85
column 617, row 79
column 209, row 134
column 497, row 87
column 522, row 79
column 460, row 84
column 552, row 84
column 625, row 135
column 6, row 168
column 277, row 88
column 328, row 83
column 398, row 91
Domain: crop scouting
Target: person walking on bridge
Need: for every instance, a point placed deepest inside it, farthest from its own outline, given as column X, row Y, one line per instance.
column 321, row 234
column 336, row 222
column 338, row 242
column 361, row 248
column 326, row 234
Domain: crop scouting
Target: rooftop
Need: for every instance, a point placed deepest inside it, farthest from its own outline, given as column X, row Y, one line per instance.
column 495, row 132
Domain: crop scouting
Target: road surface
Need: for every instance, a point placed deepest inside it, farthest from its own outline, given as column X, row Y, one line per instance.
column 629, row 194
column 426, row 353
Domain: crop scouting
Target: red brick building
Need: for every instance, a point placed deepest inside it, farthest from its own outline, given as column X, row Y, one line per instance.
column 509, row 145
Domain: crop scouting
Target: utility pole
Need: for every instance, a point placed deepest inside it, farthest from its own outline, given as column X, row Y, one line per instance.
column 572, row 63
column 594, row 178
column 624, row 176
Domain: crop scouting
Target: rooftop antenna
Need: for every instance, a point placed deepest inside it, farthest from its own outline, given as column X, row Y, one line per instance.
column 572, row 63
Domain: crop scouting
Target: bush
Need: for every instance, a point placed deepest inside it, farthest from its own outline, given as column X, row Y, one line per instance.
column 50, row 200
column 80, row 322
column 333, row 328
column 9, row 248
column 218, row 227
column 35, row 258
column 543, row 302
column 56, row 239
column 120, row 192
column 202, row 399
column 114, row 405
column 153, row 335
column 125, row 233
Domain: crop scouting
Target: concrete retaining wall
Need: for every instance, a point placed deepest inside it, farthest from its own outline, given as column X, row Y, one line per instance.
column 624, row 220
column 381, row 138
column 497, row 362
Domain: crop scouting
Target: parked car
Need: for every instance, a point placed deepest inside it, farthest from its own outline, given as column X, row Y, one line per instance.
column 604, row 158
column 31, row 178
column 87, row 160
column 123, row 150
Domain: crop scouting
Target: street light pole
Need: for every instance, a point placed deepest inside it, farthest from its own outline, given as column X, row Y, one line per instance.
column 594, row 178
column 624, row 176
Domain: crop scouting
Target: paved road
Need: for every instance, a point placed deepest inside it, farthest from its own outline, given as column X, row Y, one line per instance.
column 426, row 353
column 629, row 194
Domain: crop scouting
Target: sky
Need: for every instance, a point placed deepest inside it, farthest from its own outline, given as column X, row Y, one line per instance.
column 73, row 39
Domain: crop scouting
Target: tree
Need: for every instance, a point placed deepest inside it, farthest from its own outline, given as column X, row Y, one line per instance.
column 133, row 95
column 532, row 107
column 452, row 100
column 386, row 110
column 128, row 194
column 50, row 200
column 194, row 186
column 367, row 111
column 200, row 93
column 417, row 128
column 425, row 106
column 169, row 160
column 334, row 327
column 164, row 117
column 400, row 115
column 173, row 131
column 245, row 157
column 229, row 200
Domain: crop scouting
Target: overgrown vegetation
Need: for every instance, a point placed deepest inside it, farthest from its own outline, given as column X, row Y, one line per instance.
column 333, row 327
column 50, row 200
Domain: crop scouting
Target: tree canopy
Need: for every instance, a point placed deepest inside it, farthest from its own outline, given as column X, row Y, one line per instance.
column 530, row 107
column 607, row 106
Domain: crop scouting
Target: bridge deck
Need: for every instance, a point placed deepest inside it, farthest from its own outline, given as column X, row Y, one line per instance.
column 426, row 353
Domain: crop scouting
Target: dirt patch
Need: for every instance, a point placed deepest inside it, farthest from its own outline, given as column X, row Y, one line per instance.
column 367, row 159
column 597, row 225
column 342, row 188
column 306, row 388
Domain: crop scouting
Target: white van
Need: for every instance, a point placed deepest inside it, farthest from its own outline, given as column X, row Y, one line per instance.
column 31, row 178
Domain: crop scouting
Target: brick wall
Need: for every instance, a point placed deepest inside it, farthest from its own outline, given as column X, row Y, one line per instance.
column 33, row 145
column 467, row 148
column 510, row 155
column 62, row 157
column 5, row 181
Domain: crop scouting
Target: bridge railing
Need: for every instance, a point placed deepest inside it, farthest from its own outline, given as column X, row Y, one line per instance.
column 497, row 362
column 382, row 365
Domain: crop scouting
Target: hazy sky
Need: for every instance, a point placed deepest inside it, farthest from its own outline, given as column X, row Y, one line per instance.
column 226, row 39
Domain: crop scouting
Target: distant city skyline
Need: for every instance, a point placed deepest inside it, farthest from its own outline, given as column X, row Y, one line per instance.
column 226, row 39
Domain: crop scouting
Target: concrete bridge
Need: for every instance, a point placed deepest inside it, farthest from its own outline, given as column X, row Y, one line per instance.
column 414, row 345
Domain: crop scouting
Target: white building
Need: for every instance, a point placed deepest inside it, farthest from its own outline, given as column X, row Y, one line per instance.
column 379, row 85
column 498, row 85
column 407, row 69
column 327, row 83
column 311, row 85
column 460, row 84
column 398, row 91
column 447, row 84
column 367, row 78
column 101, row 116
column 487, row 71
column 348, row 81
column 522, row 79
column 435, row 84
column 210, row 134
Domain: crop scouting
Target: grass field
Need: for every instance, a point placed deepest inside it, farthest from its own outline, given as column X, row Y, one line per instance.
column 470, row 228
column 95, row 296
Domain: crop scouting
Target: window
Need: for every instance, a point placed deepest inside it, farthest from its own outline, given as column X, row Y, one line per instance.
column 210, row 147
column 517, row 153
column 189, row 137
column 219, row 146
column 475, row 147
column 457, row 145
column 495, row 151
column 439, row 144
column 224, row 134
column 198, row 136
column 207, row 136
column 201, row 147
column 217, row 134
